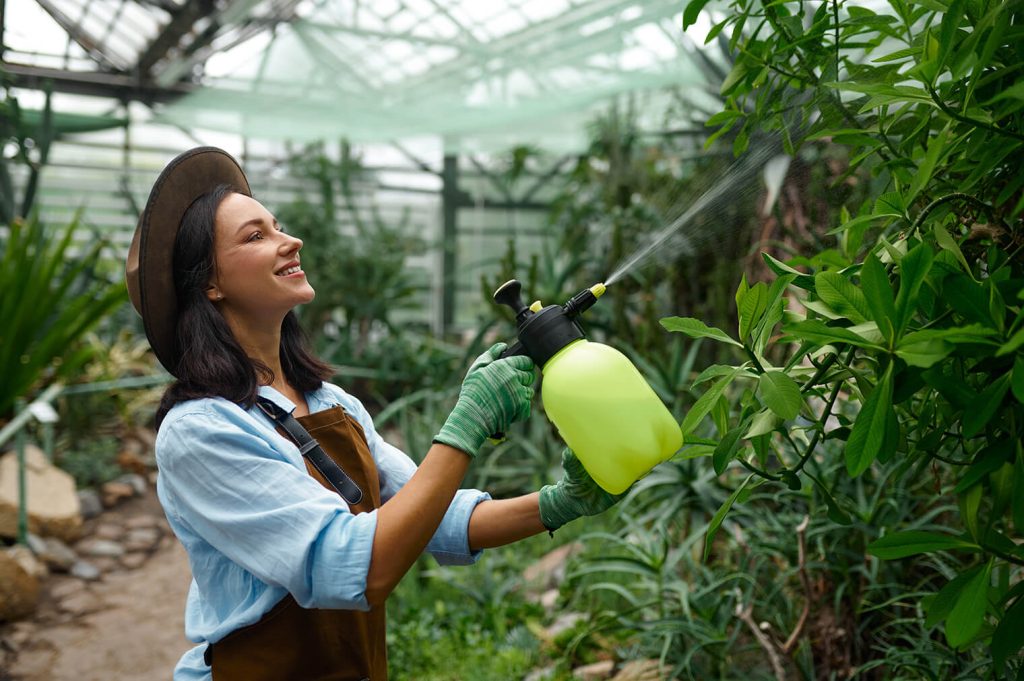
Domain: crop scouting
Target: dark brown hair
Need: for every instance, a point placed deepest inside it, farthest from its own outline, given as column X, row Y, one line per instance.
column 211, row 363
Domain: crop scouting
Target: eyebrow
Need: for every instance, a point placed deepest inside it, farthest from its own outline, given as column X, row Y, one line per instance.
column 254, row 221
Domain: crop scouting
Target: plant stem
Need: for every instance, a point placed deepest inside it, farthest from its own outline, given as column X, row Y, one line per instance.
column 946, row 199
column 757, row 471
column 967, row 119
column 753, row 358
column 824, row 416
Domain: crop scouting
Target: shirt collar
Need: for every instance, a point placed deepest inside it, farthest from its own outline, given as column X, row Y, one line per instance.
column 277, row 398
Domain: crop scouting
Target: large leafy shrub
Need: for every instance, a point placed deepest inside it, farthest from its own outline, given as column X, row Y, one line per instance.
column 896, row 356
column 50, row 296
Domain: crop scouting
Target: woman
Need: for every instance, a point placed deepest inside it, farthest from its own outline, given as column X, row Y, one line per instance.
column 298, row 518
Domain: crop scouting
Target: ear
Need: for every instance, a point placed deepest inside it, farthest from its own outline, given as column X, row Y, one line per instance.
column 213, row 294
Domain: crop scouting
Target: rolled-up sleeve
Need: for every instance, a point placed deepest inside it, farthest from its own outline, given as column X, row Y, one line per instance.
column 450, row 543
column 262, row 511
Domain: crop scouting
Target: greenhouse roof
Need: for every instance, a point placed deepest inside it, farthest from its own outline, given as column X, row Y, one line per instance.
column 477, row 74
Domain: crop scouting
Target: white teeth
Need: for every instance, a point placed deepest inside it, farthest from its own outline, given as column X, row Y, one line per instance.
column 290, row 270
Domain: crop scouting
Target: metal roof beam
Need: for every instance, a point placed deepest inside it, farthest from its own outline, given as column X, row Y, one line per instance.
column 532, row 37
column 96, row 84
column 194, row 53
column 180, row 24
column 550, row 56
column 407, row 36
column 79, row 35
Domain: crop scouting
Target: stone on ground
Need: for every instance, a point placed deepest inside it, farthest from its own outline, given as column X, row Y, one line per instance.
column 52, row 502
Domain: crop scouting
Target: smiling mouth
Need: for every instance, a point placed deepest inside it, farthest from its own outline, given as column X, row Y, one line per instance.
column 290, row 270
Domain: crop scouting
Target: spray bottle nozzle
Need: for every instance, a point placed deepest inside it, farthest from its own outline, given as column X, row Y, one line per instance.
column 582, row 301
column 510, row 293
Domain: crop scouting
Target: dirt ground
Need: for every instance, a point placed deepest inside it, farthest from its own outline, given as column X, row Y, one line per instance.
column 133, row 629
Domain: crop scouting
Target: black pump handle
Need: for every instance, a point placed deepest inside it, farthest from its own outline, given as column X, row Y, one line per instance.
column 512, row 350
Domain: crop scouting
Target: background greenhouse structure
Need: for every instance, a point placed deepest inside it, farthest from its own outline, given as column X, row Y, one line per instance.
column 809, row 215
column 426, row 89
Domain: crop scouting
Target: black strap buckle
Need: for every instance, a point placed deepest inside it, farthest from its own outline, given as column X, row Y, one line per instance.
column 311, row 449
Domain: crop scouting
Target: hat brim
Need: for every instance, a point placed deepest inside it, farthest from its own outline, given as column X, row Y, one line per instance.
column 149, row 270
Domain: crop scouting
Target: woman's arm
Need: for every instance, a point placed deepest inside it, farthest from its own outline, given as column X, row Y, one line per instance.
column 500, row 522
column 407, row 521
column 495, row 393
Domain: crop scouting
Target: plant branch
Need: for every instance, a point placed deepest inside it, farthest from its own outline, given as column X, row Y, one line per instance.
column 753, row 358
column 757, row 471
column 824, row 417
column 745, row 613
column 805, row 580
column 967, row 119
column 946, row 199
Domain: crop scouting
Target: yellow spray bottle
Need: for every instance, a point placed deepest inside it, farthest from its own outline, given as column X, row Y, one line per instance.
column 603, row 408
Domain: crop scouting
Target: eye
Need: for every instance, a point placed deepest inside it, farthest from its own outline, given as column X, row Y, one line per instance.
column 254, row 236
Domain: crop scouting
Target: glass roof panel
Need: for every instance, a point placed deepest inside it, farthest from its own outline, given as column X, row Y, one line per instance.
column 466, row 70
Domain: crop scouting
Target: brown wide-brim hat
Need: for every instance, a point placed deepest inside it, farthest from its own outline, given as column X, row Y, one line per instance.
column 149, row 270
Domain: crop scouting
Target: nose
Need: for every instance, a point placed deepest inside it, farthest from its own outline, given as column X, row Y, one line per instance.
column 291, row 244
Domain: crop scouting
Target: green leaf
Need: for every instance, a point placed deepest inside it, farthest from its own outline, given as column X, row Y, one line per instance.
column 840, row 294
column 1011, row 345
column 773, row 313
column 723, row 117
column 890, row 204
column 970, row 334
column 969, row 505
column 875, row 284
column 946, row 243
column 727, row 448
column 763, row 423
column 981, row 412
column 714, row 371
column 947, row 31
column 694, row 328
column 942, row 604
column 817, row 332
column 968, row 613
column 781, row 394
column 937, row 147
column 914, row 267
column 751, row 307
column 913, row 542
column 1018, row 379
column 835, row 512
column 1015, row 91
column 1017, row 503
column 1008, row 638
column 716, row 521
column 924, row 353
column 693, row 9
column 869, row 429
column 703, row 405
column 739, row 72
column 986, row 461
column 804, row 281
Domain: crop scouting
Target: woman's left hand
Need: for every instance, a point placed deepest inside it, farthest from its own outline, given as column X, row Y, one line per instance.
column 574, row 496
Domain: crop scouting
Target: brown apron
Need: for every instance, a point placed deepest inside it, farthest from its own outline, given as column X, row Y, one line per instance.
column 291, row 643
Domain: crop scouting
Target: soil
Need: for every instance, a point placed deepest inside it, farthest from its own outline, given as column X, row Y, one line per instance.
column 131, row 629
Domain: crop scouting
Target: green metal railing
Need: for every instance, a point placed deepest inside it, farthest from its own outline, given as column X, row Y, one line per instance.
column 41, row 410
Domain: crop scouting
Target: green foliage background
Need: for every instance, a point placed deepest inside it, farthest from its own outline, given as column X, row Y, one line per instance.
column 878, row 384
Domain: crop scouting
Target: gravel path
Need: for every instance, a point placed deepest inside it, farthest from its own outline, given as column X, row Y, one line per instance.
column 129, row 627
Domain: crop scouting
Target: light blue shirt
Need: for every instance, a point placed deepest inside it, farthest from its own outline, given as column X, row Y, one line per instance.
column 257, row 526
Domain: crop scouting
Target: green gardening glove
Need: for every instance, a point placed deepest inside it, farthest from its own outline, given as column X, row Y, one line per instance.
column 495, row 394
column 575, row 495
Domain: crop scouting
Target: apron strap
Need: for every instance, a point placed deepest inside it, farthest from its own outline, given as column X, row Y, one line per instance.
column 310, row 448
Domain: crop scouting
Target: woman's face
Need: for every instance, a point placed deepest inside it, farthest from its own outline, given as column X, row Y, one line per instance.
column 257, row 274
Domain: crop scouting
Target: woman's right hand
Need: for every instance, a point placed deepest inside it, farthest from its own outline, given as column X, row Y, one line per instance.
column 495, row 394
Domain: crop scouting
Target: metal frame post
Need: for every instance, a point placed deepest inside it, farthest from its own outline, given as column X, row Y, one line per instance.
column 449, row 239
